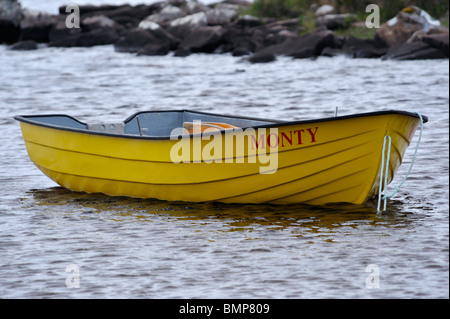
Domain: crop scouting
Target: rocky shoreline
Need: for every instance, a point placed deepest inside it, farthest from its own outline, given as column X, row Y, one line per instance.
column 186, row 27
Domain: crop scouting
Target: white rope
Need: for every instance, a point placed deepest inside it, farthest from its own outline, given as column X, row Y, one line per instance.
column 384, row 172
column 381, row 194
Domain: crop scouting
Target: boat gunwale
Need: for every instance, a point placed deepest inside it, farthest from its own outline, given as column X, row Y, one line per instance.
column 274, row 124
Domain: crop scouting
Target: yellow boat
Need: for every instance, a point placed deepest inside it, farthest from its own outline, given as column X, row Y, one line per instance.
column 197, row 157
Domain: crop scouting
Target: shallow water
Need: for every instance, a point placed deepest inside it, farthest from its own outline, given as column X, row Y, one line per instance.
column 129, row 248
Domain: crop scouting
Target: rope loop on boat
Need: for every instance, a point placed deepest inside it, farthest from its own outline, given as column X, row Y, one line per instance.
column 381, row 193
column 383, row 172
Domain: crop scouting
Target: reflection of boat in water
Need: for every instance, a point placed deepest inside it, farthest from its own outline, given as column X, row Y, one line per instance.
column 225, row 217
column 319, row 161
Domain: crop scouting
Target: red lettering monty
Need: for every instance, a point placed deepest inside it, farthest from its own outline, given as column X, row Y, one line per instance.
column 273, row 140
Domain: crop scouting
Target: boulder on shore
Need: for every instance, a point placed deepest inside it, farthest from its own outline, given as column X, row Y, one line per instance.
column 154, row 48
column 414, row 51
column 307, row 46
column 203, row 39
column 262, row 57
column 356, row 48
column 59, row 30
column 166, row 38
column 242, row 41
column 24, row 45
column 10, row 17
column 87, row 39
column 99, row 22
column 222, row 14
column 439, row 41
column 134, row 41
column 413, row 34
column 406, row 24
column 36, row 26
column 166, row 15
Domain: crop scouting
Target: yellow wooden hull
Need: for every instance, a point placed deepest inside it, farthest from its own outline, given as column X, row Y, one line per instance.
column 317, row 162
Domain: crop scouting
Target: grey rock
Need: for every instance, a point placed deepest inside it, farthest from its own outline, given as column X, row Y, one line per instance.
column 24, row 45
column 413, row 51
column 262, row 57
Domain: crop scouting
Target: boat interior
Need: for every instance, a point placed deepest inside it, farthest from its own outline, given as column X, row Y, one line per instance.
column 152, row 123
column 160, row 124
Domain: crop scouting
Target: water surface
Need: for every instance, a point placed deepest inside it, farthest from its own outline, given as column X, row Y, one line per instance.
column 132, row 248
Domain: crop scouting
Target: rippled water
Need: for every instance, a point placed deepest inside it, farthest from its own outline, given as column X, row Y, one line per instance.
column 129, row 248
